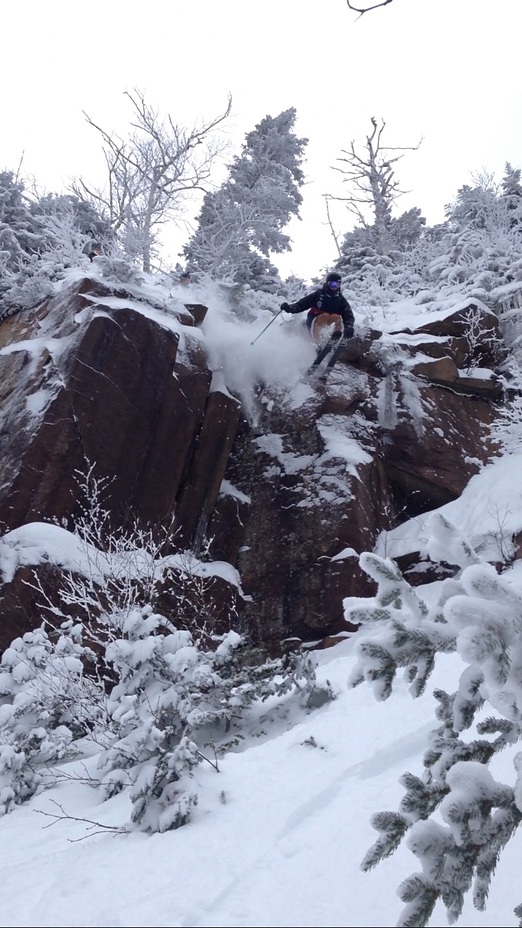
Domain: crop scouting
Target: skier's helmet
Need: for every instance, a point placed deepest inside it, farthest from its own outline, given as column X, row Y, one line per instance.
column 333, row 282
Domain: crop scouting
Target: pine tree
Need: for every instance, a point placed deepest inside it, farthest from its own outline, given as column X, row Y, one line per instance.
column 241, row 224
column 473, row 206
column 21, row 233
column 22, row 240
column 407, row 229
column 69, row 223
column 185, row 701
column 152, row 695
column 47, row 705
column 512, row 194
column 511, row 186
column 39, row 238
column 478, row 615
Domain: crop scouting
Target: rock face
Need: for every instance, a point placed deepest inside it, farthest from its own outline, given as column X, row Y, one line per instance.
column 94, row 380
column 109, row 398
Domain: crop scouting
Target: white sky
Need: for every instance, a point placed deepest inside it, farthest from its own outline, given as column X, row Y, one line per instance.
column 284, row 848
column 441, row 70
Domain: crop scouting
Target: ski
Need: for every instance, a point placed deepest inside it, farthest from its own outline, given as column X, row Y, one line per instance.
column 332, row 359
column 321, row 355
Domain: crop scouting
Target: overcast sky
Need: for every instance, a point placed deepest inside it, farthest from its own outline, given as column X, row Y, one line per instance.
column 442, row 71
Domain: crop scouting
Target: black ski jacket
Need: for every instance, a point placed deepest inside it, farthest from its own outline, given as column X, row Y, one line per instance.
column 322, row 301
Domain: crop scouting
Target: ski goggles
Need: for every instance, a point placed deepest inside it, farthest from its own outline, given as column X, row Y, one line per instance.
column 333, row 285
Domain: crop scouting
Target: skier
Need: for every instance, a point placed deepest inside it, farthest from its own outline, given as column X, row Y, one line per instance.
column 329, row 312
column 93, row 249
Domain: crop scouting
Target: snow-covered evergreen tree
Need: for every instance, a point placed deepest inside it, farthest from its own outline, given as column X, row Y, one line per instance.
column 178, row 702
column 512, row 194
column 47, row 703
column 511, row 185
column 149, row 695
column 241, row 224
column 478, row 615
column 22, row 240
column 475, row 252
column 369, row 274
column 39, row 238
column 21, row 232
column 69, row 224
column 479, row 251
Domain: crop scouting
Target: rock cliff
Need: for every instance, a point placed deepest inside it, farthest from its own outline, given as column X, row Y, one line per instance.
column 99, row 378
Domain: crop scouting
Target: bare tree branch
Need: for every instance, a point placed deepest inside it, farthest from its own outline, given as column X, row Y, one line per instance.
column 372, row 180
column 93, row 827
column 374, row 6
column 150, row 174
column 335, row 237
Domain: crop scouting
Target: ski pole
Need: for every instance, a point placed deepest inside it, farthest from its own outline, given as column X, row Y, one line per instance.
column 266, row 326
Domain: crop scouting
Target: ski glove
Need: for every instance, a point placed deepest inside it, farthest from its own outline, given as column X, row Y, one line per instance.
column 286, row 308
